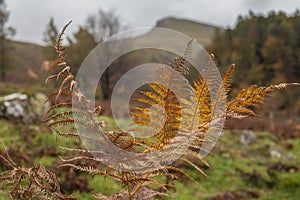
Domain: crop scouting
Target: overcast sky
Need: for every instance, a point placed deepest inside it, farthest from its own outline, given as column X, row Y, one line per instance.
column 30, row 17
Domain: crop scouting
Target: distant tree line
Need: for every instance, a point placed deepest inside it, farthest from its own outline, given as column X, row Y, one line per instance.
column 266, row 50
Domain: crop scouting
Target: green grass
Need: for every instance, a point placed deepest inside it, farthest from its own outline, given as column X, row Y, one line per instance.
column 104, row 185
column 99, row 184
column 9, row 134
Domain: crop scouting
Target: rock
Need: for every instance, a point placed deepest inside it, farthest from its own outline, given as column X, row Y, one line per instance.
column 247, row 137
column 275, row 153
column 19, row 106
column 15, row 106
column 226, row 155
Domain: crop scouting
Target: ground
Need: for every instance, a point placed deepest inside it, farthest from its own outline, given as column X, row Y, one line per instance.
column 238, row 171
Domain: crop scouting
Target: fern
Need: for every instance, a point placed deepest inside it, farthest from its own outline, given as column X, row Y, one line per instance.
column 40, row 184
column 161, row 114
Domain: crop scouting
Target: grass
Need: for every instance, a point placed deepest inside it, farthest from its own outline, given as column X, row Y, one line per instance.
column 232, row 162
column 236, row 168
column 9, row 134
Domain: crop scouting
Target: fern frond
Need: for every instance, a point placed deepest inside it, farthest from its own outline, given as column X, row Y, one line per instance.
column 172, row 168
column 197, row 156
column 30, row 183
column 62, row 93
column 60, row 50
column 67, row 135
column 8, row 159
column 253, row 97
column 188, row 50
column 59, row 105
column 68, row 114
column 91, row 170
column 227, row 78
column 193, row 165
column 164, row 105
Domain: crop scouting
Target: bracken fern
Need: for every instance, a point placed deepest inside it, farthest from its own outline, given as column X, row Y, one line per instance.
column 29, row 183
column 167, row 136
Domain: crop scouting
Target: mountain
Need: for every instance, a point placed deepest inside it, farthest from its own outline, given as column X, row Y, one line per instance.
column 204, row 33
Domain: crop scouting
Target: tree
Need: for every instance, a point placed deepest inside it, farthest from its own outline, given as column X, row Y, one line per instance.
column 102, row 26
column 80, row 46
column 5, row 32
column 50, row 36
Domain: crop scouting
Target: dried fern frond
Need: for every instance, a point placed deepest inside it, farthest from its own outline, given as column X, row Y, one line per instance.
column 170, row 103
column 58, row 45
column 227, row 78
column 242, row 105
column 30, row 183
column 83, row 115
column 170, row 114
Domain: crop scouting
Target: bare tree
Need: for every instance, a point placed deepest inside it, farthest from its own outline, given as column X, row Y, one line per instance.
column 102, row 26
column 5, row 32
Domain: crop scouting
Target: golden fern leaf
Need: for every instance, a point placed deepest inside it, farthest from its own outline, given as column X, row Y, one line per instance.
column 203, row 100
column 227, row 78
column 170, row 103
column 253, row 97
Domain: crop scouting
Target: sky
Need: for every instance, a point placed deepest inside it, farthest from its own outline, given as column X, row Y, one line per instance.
column 29, row 17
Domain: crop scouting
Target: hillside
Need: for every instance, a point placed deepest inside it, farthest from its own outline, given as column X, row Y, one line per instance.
column 204, row 33
column 23, row 57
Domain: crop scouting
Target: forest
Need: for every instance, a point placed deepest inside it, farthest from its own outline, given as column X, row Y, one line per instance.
column 266, row 49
